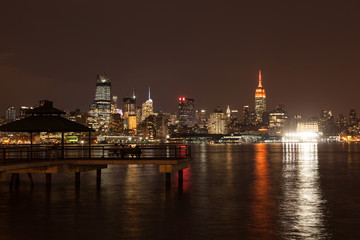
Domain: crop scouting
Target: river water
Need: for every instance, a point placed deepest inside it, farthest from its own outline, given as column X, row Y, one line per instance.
column 249, row 191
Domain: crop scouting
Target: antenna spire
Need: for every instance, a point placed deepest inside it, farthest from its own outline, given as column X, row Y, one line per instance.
column 260, row 81
column 149, row 93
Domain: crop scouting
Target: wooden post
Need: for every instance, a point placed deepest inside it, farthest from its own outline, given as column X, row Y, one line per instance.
column 30, row 179
column 98, row 177
column 12, row 179
column 62, row 146
column 180, row 181
column 17, row 180
column 180, row 177
column 31, row 145
column 168, row 179
column 89, row 145
column 4, row 155
column 48, row 180
column 77, row 179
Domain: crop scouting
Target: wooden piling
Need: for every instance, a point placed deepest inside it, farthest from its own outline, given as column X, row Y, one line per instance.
column 77, row 179
column 98, row 177
column 30, row 179
column 180, row 177
column 48, row 180
column 168, row 179
column 17, row 180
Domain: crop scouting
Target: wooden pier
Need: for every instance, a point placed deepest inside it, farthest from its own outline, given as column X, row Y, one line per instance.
column 45, row 159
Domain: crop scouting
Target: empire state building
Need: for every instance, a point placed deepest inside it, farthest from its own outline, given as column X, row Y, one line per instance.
column 260, row 101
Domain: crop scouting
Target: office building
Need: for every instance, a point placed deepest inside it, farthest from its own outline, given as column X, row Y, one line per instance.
column 147, row 108
column 246, row 116
column 130, row 114
column 186, row 112
column 100, row 110
column 10, row 115
column 277, row 119
column 217, row 122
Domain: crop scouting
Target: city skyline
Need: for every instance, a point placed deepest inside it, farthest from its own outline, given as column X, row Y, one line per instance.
column 209, row 109
column 209, row 52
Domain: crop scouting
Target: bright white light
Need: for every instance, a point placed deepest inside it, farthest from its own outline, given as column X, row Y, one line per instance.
column 301, row 137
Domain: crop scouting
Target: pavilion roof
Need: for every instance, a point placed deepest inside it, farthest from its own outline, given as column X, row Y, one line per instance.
column 43, row 123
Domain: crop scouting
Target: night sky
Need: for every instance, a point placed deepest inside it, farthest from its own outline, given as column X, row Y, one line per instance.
column 308, row 51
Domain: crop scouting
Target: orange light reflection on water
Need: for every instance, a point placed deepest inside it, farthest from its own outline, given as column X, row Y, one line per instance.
column 262, row 204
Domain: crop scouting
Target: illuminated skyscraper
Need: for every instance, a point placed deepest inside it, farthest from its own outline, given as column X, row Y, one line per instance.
column 352, row 117
column 217, row 122
column 147, row 108
column 129, row 106
column 100, row 110
column 186, row 112
column 246, row 115
column 129, row 111
column 260, row 101
column 277, row 119
column 23, row 111
column 228, row 112
column 114, row 104
column 10, row 114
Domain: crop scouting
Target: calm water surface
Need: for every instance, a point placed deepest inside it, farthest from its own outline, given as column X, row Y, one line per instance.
column 255, row 191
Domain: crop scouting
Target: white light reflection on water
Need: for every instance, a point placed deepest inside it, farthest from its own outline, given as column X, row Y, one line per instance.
column 302, row 207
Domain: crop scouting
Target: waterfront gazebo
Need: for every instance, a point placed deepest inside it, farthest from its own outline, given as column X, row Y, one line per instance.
column 46, row 118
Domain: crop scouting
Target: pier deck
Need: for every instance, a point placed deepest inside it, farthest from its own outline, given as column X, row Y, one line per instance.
column 52, row 159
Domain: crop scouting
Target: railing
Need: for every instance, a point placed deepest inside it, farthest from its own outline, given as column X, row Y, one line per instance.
column 11, row 154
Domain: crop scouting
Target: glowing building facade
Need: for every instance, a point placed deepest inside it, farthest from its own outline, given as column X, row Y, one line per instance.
column 217, row 122
column 100, row 110
column 147, row 108
column 260, row 101
column 277, row 119
column 129, row 114
column 309, row 126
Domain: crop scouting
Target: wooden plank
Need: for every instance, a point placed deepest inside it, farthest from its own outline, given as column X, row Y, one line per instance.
column 173, row 168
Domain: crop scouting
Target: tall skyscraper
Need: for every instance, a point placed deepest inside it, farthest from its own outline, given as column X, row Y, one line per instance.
column 23, row 111
column 114, row 104
column 147, row 108
column 260, row 101
column 100, row 110
column 228, row 112
column 277, row 119
column 10, row 114
column 217, row 122
column 352, row 117
column 129, row 106
column 129, row 114
column 246, row 116
column 186, row 112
